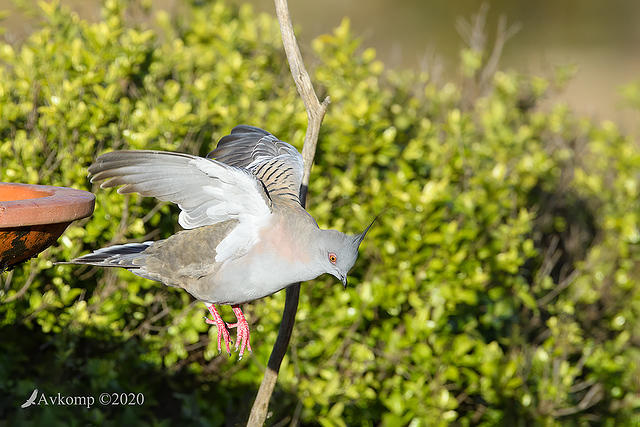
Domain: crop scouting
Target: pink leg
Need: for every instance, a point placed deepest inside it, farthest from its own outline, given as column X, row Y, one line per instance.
column 223, row 332
column 243, row 331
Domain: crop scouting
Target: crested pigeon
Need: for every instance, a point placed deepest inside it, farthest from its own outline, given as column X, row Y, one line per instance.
column 246, row 235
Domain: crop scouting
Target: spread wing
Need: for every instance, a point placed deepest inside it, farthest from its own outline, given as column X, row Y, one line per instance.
column 276, row 163
column 207, row 191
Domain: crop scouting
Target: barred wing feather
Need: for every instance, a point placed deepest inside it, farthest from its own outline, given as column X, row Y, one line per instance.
column 276, row 163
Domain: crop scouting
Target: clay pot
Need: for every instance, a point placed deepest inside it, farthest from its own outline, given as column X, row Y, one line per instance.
column 32, row 217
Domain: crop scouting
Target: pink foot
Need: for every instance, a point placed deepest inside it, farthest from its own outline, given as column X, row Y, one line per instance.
column 243, row 331
column 223, row 331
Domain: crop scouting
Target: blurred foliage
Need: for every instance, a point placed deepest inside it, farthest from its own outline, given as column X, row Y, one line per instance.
column 631, row 94
column 498, row 287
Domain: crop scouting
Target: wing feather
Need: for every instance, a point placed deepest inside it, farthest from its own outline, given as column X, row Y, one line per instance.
column 276, row 163
column 207, row 191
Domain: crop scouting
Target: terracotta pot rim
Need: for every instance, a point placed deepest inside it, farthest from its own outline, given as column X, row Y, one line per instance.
column 47, row 205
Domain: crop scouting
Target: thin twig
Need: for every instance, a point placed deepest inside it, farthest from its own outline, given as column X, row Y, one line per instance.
column 502, row 36
column 472, row 31
column 558, row 288
column 32, row 275
column 7, row 280
column 315, row 114
column 592, row 397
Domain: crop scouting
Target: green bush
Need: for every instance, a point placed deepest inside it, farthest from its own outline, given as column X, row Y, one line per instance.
column 498, row 287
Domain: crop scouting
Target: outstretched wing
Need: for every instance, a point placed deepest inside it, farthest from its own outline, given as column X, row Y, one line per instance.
column 207, row 191
column 276, row 163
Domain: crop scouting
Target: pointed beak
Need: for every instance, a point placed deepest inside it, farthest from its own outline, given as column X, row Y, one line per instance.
column 341, row 277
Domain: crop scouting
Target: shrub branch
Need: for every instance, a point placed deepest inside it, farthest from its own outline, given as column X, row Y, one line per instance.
column 315, row 113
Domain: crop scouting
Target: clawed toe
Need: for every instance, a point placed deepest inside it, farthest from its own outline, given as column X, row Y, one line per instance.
column 242, row 341
column 222, row 329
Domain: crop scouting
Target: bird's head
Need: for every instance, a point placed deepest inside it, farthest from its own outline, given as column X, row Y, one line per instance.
column 339, row 252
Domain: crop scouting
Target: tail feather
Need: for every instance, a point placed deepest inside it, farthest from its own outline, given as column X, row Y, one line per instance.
column 114, row 256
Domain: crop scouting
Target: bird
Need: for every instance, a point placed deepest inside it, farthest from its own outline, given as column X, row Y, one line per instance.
column 31, row 400
column 245, row 233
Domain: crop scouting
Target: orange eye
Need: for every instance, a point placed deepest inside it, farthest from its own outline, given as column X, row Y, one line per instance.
column 333, row 258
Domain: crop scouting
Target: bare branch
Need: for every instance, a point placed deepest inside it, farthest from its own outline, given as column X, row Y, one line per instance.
column 315, row 114
column 502, row 36
column 592, row 397
column 315, row 109
column 27, row 284
column 473, row 31
column 7, row 280
column 558, row 288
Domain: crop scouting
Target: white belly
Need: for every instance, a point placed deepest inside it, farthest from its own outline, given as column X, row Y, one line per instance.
column 250, row 278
